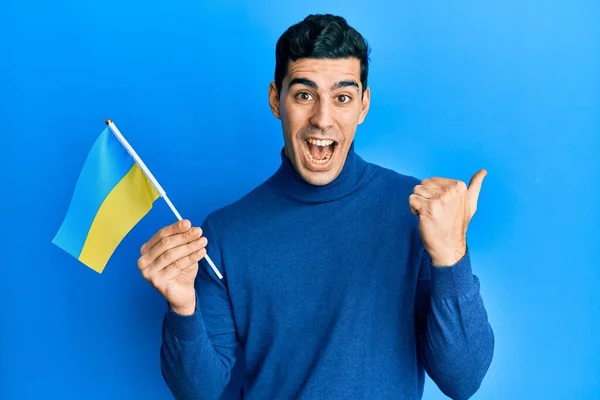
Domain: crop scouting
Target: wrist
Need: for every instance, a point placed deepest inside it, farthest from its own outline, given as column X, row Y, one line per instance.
column 185, row 309
column 449, row 257
column 185, row 322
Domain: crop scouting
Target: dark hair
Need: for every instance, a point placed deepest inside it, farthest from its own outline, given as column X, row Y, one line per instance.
column 320, row 36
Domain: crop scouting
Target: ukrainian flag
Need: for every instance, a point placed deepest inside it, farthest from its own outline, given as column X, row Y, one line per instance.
column 111, row 196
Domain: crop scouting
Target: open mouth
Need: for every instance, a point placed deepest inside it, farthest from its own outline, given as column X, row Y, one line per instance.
column 319, row 151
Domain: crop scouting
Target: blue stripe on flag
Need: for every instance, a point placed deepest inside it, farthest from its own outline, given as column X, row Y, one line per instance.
column 106, row 164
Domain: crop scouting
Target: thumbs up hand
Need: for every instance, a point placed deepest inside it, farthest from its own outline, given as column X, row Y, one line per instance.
column 445, row 208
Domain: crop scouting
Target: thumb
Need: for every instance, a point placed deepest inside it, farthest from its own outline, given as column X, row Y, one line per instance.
column 474, row 189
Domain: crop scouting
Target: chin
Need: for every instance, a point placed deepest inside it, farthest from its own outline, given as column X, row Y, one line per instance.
column 319, row 178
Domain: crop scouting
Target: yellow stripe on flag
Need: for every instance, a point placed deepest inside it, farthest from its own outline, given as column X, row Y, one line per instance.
column 129, row 201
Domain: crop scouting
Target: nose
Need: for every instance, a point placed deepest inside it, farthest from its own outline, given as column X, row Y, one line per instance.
column 322, row 117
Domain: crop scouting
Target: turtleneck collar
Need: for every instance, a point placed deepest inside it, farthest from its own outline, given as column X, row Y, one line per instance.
column 352, row 175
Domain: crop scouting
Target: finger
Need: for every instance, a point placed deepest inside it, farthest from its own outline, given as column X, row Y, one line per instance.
column 435, row 182
column 177, row 253
column 174, row 269
column 416, row 203
column 170, row 230
column 475, row 188
column 173, row 241
column 427, row 192
column 172, row 245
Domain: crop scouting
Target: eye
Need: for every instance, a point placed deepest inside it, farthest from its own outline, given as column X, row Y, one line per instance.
column 344, row 98
column 304, row 96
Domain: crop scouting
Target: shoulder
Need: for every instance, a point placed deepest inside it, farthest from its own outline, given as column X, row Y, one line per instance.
column 389, row 192
column 393, row 181
column 241, row 211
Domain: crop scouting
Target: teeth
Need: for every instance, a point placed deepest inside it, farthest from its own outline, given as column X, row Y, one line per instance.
column 323, row 161
column 320, row 142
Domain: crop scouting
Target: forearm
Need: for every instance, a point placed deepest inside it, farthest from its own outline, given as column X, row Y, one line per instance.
column 194, row 365
column 458, row 343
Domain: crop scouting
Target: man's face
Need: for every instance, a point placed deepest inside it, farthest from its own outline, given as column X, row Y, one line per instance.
column 320, row 107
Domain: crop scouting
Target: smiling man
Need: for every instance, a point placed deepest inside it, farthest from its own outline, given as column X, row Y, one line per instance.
column 342, row 279
column 320, row 107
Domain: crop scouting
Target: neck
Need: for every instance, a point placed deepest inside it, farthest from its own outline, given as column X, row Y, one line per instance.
column 349, row 178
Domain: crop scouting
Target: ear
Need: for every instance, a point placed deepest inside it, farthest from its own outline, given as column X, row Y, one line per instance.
column 364, row 105
column 274, row 100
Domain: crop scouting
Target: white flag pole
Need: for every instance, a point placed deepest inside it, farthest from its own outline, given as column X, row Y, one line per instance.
column 153, row 180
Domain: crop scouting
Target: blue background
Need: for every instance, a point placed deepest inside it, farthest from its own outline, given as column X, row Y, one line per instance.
column 512, row 86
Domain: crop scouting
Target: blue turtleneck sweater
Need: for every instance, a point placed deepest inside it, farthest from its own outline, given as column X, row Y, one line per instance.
column 329, row 294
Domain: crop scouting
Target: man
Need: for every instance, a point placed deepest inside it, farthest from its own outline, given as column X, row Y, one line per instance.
column 341, row 279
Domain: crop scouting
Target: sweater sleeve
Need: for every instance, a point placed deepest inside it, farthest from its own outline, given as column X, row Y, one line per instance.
column 198, row 351
column 456, row 341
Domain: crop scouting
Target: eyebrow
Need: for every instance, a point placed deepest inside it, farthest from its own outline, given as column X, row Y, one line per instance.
column 335, row 86
column 302, row 81
column 342, row 84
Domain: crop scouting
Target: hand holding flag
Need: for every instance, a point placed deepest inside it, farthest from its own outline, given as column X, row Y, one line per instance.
column 169, row 261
